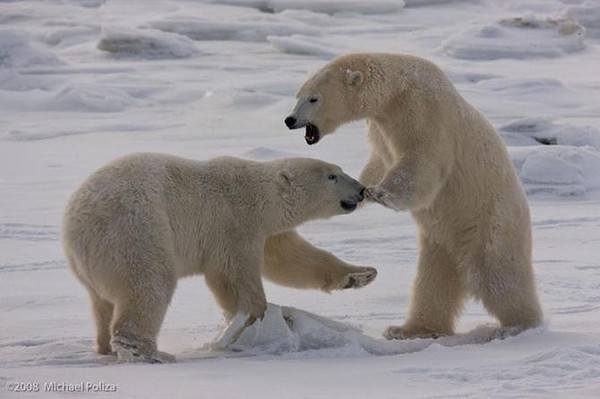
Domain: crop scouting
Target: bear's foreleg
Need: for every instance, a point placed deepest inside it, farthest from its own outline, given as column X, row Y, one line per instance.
column 411, row 183
column 292, row 261
column 237, row 284
column 437, row 296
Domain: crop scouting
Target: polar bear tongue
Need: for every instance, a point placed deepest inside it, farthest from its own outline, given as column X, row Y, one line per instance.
column 312, row 134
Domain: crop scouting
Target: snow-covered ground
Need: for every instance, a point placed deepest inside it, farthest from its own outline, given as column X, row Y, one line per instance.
column 82, row 82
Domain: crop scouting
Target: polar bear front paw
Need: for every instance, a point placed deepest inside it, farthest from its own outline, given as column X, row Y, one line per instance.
column 360, row 278
column 383, row 197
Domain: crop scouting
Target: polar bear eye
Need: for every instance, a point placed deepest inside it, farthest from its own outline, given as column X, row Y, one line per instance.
column 332, row 177
column 313, row 100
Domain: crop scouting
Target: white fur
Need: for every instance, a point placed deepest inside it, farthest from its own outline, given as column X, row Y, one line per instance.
column 143, row 221
column 434, row 154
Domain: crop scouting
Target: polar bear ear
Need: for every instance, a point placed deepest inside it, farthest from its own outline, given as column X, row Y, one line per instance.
column 284, row 179
column 354, row 78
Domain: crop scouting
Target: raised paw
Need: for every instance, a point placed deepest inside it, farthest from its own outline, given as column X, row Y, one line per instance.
column 383, row 197
column 360, row 278
column 401, row 332
column 132, row 351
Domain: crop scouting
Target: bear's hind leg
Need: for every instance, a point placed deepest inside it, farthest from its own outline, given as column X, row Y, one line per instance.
column 292, row 261
column 509, row 294
column 437, row 298
column 138, row 317
column 103, row 314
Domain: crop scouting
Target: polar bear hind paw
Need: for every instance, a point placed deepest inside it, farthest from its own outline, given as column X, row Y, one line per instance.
column 401, row 332
column 129, row 351
column 360, row 278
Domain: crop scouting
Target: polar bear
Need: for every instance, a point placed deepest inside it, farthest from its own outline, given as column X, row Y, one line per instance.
column 438, row 157
column 145, row 220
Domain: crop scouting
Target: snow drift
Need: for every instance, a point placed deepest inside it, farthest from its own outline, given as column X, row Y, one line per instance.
column 519, row 38
column 149, row 44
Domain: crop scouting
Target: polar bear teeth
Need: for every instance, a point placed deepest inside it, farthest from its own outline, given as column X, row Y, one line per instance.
column 312, row 134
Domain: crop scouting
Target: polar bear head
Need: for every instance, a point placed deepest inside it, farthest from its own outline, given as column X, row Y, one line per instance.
column 316, row 189
column 327, row 100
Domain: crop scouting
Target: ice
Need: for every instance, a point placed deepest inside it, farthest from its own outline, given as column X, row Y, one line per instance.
column 201, row 79
column 557, row 169
column 323, row 6
column 556, row 158
column 539, row 130
column 518, row 37
column 266, row 154
column 286, row 330
column 303, row 45
column 151, row 44
column 588, row 15
column 420, row 3
column 17, row 50
column 253, row 31
column 71, row 36
column 92, row 98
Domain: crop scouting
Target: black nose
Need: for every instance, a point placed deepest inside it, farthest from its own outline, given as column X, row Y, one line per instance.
column 290, row 121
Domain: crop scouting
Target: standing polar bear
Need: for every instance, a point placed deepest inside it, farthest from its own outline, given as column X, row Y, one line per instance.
column 435, row 155
column 143, row 221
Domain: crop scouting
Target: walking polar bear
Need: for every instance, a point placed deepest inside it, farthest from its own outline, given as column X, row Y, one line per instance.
column 143, row 221
column 433, row 154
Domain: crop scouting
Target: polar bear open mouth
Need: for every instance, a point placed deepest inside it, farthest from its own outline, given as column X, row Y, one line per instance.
column 312, row 134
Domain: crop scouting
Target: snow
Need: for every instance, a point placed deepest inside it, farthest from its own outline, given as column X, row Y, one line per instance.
column 323, row 6
column 517, row 37
column 145, row 44
column 83, row 82
column 287, row 330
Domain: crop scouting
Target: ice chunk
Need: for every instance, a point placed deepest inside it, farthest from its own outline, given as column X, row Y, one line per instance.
column 557, row 169
column 290, row 330
column 248, row 31
column 322, row 6
column 588, row 15
column 151, row 44
column 519, row 38
column 302, row 45
column 544, row 131
column 16, row 50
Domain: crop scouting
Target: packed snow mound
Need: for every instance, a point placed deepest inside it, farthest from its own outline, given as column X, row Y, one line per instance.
column 588, row 15
column 538, row 130
column 245, row 31
column 71, row 36
column 558, row 170
column 91, row 98
column 321, row 6
column 305, row 45
column 552, row 158
column 420, row 3
column 266, row 154
column 149, row 44
column 517, row 38
column 16, row 50
column 290, row 330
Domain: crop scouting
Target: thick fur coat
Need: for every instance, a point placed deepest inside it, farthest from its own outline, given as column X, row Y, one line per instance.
column 435, row 155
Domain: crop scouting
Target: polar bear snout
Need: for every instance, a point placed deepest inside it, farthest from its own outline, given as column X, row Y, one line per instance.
column 312, row 134
column 290, row 122
column 350, row 204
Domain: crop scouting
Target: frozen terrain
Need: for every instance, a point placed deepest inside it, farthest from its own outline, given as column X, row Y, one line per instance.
column 82, row 82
